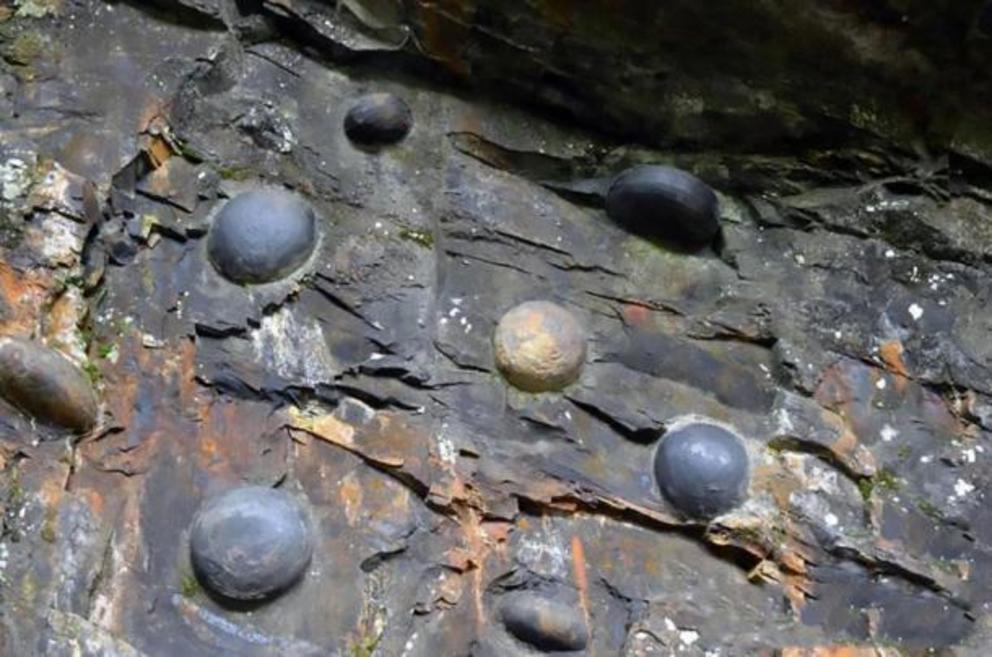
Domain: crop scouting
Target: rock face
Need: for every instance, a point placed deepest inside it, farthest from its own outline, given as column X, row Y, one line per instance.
column 46, row 384
column 839, row 325
column 539, row 346
column 262, row 235
column 376, row 119
column 546, row 624
column 250, row 543
column 702, row 469
column 664, row 202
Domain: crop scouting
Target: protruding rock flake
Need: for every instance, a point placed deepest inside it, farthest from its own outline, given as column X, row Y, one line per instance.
column 702, row 469
column 262, row 235
column 378, row 119
column 251, row 543
column 664, row 202
column 47, row 385
column 547, row 624
column 540, row 346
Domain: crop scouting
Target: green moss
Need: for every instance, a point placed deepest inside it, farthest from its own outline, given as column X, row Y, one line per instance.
column 422, row 237
column 48, row 526
column 364, row 647
column 189, row 586
column 25, row 48
column 93, row 372
column 235, row 172
column 884, row 479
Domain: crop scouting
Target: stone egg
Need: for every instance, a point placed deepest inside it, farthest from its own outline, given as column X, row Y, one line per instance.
column 250, row 543
column 262, row 235
column 664, row 202
column 379, row 118
column 47, row 385
column 702, row 470
column 539, row 346
column 546, row 624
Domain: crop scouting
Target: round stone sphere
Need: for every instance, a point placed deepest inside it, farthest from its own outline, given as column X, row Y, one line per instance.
column 664, row 202
column 262, row 235
column 250, row 543
column 379, row 118
column 702, row 470
column 539, row 346
column 47, row 385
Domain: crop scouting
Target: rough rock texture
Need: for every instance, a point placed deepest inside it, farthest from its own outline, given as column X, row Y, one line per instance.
column 539, row 346
column 840, row 323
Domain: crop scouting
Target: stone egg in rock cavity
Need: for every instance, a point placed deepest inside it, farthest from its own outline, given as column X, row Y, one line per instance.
column 47, row 385
column 250, row 543
column 547, row 624
column 379, row 118
column 664, row 202
column 539, row 346
column 262, row 235
column 702, row 470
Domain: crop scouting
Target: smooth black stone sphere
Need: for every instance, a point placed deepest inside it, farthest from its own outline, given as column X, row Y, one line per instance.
column 702, row 470
column 250, row 543
column 664, row 202
column 380, row 118
column 547, row 624
column 262, row 235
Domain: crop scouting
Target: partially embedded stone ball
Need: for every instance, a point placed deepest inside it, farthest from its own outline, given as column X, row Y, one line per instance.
column 664, row 202
column 262, row 235
column 540, row 346
column 47, row 385
column 380, row 118
column 250, row 543
column 702, row 470
column 546, row 624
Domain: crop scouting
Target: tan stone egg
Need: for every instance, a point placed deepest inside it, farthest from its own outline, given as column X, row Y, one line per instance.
column 540, row 346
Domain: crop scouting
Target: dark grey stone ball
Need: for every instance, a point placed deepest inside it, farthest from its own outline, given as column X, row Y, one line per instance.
column 545, row 623
column 379, row 118
column 250, row 543
column 702, row 470
column 664, row 202
column 262, row 235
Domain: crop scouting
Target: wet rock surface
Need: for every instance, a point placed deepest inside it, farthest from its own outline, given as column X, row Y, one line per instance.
column 250, row 543
column 839, row 324
column 46, row 385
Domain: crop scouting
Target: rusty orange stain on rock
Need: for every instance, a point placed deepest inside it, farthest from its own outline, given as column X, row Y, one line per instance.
column 447, row 25
column 350, row 492
column 581, row 579
column 891, row 353
column 25, row 293
column 838, row 651
column 636, row 314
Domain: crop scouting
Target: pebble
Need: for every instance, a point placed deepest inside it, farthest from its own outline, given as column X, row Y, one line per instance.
column 250, row 543
column 47, row 385
column 262, row 235
column 664, row 202
column 546, row 624
column 378, row 118
column 540, row 346
column 702, row 470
